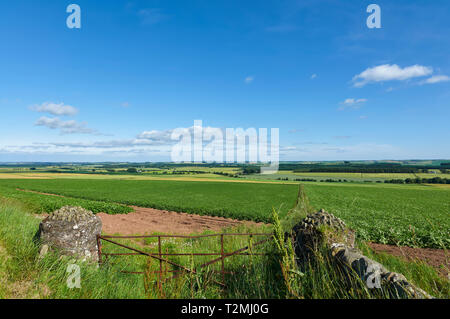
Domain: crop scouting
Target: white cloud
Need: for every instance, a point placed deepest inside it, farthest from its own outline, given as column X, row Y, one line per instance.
column 55, row 109
column 164, row 137
column 249, row 79
column 436, row 79
column 314, row 76
column 147, row 142
column 351, row 102
column 156, row 136
column 126, row 104
column 151, row 16
column 65, row 127
column 387, row 72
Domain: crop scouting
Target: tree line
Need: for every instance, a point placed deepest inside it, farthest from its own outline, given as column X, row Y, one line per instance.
column 418, row 180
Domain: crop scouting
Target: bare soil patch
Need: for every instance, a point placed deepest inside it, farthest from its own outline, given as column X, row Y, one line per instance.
column 437, row 258
column 150, row 220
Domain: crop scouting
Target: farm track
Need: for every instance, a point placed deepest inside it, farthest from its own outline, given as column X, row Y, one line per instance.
column 437, row 258
column 40, row 193
column 149, row 220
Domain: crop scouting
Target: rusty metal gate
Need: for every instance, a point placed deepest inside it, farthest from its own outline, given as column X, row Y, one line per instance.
column 160, row 255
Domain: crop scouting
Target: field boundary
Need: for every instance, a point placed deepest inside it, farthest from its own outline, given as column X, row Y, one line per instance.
column 143, row 220
column 162, row 273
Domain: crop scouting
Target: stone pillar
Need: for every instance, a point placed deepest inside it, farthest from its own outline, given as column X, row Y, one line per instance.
column 72, row 231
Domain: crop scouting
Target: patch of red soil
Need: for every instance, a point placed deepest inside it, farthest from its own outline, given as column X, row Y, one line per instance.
column 437, row 258
column 149, row 220
column 28, row 191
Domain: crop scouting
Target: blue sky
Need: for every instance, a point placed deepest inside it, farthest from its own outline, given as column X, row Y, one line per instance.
column 114, row 89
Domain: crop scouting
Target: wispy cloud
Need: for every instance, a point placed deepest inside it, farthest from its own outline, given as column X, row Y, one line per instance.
column 351, row 103
column 436, row 79
column 313, row 76
column 65, row 127
column 249, row 79
column 119, row 144
column 144, row 142
column 150, row 16
column 157, row 136
column 59, row 109
column 387, row 72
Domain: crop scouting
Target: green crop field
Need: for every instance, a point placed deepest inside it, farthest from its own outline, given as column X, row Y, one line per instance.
column 410, row 215
column 38, row 203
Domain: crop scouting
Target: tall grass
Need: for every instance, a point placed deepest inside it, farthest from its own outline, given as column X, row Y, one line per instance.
column 416, row 271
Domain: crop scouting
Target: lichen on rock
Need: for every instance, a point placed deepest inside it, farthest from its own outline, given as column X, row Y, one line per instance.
column 71, row 213
column 72, row 231
column 318, row 229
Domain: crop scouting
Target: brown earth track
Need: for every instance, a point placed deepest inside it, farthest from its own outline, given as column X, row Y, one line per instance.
column 149, row 220
column 437, row 258
column 35, row 192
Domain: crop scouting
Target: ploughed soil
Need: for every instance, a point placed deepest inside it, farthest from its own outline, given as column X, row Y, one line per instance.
column 148, row 220
column 437, row 258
